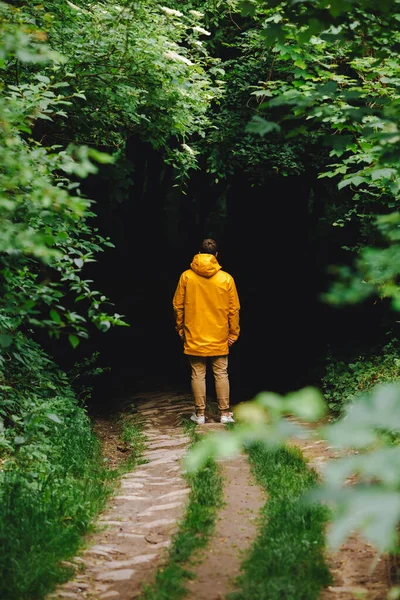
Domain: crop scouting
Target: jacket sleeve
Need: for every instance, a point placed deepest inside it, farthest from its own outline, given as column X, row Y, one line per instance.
column 178, row 304
column 234, row 307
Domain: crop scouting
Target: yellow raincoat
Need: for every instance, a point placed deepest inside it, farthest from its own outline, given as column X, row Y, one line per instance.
column 206, row 307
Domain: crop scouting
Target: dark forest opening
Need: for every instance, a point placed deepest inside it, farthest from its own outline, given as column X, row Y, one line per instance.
column 268, row 240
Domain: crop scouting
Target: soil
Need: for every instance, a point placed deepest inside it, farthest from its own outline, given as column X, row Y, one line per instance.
column 357, row 569
column 109, row 432
column 235, row 530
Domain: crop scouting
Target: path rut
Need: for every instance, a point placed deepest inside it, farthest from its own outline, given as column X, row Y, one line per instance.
column 235, row 530
column 352, row 565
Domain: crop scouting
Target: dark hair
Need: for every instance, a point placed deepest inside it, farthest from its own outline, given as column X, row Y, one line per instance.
column 209, row 246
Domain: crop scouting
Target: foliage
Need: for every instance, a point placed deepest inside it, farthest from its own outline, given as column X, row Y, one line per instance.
column 52, row 481
column 287, row 558
column 228, row 148
column 367, row 437
column 375, row 269
column 193, row 533
column 82, row 374
column 45, row 237
column 336, row 77
column 136, row 69
column 344, row 380
column 66, row 83
column 29, row 390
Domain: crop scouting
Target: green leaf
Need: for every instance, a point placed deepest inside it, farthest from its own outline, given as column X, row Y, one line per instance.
column 105, row 325
column 60, row 84
column 42, row 78
column 79, row 262
column 43, row 116
column 248, row 8
column 55, row 316
column 383, row 174
column 73, row 340
column 101, row 157
column 53, row 417
column 261, row 126
column 373, row 512
column 5, row 340
column 307, row 404
column 356, row 180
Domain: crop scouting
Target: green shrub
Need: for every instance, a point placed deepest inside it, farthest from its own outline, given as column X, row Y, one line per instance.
column 52, row 481
column 343, row 380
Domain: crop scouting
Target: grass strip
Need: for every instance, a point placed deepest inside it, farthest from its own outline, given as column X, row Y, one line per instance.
column 204, row 500
column 132, row 435
column 287, row 559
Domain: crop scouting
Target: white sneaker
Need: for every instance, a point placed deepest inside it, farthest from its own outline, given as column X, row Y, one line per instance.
column 227, row 418
column 199, row 419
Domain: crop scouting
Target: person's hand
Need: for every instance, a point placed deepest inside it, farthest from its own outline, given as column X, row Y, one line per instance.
column 231, row 341
column 181, row 334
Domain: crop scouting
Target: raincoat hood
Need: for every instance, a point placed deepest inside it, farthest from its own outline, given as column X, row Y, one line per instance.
column 205, row 265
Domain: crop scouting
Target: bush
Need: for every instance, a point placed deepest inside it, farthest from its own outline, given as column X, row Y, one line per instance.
column 343, row 380
column 52, row 481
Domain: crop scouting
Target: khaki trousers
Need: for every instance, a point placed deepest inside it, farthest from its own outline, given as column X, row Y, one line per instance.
column 198, row 380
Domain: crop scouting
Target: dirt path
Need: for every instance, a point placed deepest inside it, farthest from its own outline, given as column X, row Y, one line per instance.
column 352, row 564
column 235, row 530
column 137, row 525
column 138, row 522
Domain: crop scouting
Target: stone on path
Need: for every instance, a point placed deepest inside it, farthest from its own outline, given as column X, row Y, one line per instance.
column 158, row 523
column 131, row 497
column 120, row 575
column 132, row 536
column 132, row 484
column 174, row 494
column 156, row 508
column 154, row 538
column 137, row 560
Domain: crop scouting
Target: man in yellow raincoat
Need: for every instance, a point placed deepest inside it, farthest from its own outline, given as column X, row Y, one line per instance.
column 206, row 307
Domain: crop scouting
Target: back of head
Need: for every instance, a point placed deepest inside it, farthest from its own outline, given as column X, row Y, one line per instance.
column 208, row 246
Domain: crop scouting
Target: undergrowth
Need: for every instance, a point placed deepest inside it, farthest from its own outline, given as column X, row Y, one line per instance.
column 286, row 561
column 194, row 531
column 133, row 436
column 53, row 479
column 344, row 379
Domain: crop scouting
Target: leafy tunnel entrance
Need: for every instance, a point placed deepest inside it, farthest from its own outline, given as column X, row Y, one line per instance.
column 271, row 240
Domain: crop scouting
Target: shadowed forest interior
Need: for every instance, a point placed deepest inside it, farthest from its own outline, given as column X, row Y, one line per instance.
column 271, row 239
